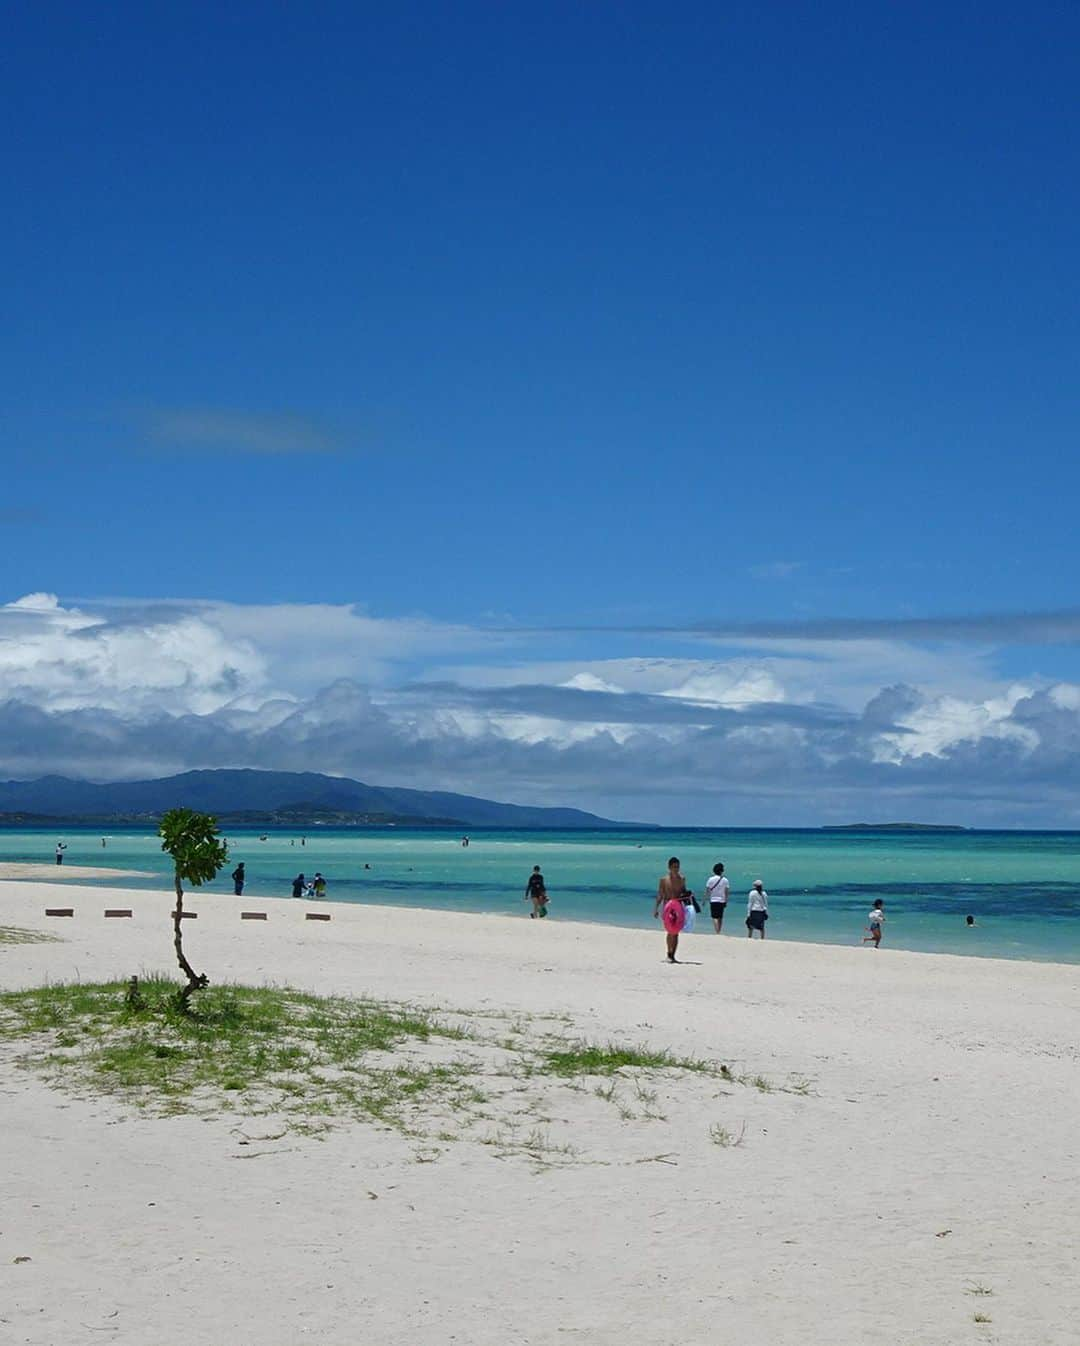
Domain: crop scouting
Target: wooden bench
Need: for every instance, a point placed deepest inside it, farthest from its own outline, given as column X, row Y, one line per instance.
column 253, row 915
column 59, row 911
column 118, row 911
column 316, row 916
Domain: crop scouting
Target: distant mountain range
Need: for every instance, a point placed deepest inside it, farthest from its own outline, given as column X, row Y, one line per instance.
column 268, row 797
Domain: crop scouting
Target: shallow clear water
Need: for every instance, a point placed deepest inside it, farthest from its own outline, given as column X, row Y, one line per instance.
column 1023, row 888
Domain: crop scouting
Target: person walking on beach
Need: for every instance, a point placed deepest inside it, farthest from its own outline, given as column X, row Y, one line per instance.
column 669, row 905
column 298, row 886
column 875, row 921
column 757, row 910
column 61, row 847
column 238, row 879
column 536, row 893
column 716, row 892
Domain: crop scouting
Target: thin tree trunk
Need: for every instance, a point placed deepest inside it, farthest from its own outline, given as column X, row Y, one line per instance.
column 195, row 980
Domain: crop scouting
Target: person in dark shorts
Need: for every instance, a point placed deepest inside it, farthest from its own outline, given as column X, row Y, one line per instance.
column 61, row 847
column 716, row 891
column 757, row 910
column 238, row 879
column 536, row 893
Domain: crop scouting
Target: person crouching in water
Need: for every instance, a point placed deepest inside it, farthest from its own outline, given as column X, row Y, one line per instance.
column 669, row 905
column 757, row 910
column 875, row 921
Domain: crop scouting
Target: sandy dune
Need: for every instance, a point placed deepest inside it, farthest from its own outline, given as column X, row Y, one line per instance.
column 936, row 1153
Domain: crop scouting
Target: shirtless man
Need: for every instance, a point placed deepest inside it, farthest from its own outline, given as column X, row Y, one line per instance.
column 669, row 905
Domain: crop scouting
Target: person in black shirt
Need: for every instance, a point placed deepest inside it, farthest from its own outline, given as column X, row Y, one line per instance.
column 536, row 893
column 238, row 879
column 298, row 886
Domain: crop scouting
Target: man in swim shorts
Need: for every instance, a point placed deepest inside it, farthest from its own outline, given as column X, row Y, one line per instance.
column 669, row 905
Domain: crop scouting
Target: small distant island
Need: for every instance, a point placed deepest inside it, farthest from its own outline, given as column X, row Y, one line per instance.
column 895, row 827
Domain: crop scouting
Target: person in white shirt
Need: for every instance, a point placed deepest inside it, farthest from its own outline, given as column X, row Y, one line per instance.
column 875, row 921
column 757, row 910
column 717, row 891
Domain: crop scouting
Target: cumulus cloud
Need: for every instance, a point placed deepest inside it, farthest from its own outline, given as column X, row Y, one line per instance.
column 797, row 731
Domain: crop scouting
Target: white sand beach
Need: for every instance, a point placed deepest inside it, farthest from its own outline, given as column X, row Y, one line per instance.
column 914, row 1165
column 25, row 869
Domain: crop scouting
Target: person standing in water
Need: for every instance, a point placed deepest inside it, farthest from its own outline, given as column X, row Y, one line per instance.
column 669, row 905
column 757, row 910
column 61, row 847
column 238, row 879
column 298, row 886
column 536, row 893
column 716, row 891
column 875, row 921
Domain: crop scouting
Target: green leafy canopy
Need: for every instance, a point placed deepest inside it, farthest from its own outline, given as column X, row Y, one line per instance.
column 193, row 842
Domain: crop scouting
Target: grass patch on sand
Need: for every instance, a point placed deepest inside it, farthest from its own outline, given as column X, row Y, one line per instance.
column 591, row 1058
column 725, row 1137
column 303, row 1064
column 279, row 1051
column 15, row 934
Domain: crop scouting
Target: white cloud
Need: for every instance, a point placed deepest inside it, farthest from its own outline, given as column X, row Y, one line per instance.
column 229, row 430
column 65, row 658
column 791, row 730
column 775, row 570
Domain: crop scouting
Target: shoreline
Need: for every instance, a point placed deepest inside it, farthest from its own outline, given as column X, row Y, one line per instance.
column 222, row 909
column 44, row 873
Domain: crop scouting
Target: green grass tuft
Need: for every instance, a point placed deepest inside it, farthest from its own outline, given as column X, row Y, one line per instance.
column 15, row 934
column 726, row 1139
column 283, row 1050
column 589, row 1058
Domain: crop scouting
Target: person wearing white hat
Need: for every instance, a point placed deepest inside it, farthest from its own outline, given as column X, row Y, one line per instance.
column 757, row 910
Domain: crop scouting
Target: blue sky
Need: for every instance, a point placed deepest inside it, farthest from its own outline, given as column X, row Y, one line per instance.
column 494, row 320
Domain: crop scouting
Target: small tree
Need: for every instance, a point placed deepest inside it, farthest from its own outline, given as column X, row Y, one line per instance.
column 192, row 840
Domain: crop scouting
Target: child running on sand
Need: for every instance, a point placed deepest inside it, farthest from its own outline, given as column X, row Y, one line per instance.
column 876, row 920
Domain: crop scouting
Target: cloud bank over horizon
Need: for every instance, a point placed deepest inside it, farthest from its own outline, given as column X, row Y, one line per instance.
column 790, row 725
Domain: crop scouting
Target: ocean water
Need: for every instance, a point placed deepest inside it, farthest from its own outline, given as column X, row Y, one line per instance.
column 1022, row 887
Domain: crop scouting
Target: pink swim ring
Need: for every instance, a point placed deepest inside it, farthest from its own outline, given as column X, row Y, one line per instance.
column 673, row 915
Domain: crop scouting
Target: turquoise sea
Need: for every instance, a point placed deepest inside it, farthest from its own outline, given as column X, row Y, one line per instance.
column 1022, row 887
